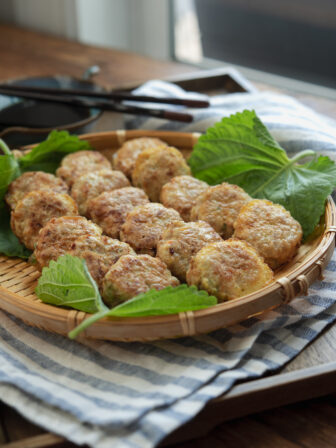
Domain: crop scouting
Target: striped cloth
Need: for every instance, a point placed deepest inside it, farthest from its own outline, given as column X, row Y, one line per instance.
column 134, row 394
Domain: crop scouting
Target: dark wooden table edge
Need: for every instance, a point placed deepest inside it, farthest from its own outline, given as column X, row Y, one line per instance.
column 258, row 395
column 244, row 399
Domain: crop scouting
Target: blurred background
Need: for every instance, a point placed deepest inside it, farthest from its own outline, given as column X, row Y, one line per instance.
column 291, row 38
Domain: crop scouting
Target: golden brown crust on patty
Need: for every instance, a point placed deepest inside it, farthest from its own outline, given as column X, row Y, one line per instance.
column 34, row 211
column 229, row 270
column 181, row 193
column 270, row 229
column 181, row 241
column 125, row 158
column 58, row 235
column 110, row 209
column 155, row 167
column 100, row 253
column 90, row 185
column 81, row 162
column 219, row 206
column 32, row 181
column 133, row 275
column 145, row 224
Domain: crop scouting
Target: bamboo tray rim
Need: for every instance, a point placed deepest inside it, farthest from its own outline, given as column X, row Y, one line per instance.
column 189, row 323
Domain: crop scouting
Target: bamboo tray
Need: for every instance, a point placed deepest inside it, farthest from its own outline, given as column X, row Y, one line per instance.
column 18, row 279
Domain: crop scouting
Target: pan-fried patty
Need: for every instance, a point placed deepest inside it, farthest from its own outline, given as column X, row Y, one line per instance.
column 100, row 253
column 81, row 162
column 270, row 229
column 34, row 211
column 145, row 224
column 219, row 206
column 154, row 167
column 90, row 185
column 31, row 181
column 110, row 209
column 125, row 158
column 58, row 235
column 132, row 275
column 181, row 193
column 229, row 270
column 181, row 241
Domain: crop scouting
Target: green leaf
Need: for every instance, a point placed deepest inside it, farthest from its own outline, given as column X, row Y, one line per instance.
column 9, row 244
column 241, row 151
column 9, row 169
column 154, row 303
column 238, row 144
column 67, row 282
column 47, row 155
column 166, row 301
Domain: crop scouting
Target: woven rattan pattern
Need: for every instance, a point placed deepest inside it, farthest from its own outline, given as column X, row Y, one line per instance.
column 19, row 276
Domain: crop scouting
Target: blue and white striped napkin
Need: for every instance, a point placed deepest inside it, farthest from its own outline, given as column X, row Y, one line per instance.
column 134, row 394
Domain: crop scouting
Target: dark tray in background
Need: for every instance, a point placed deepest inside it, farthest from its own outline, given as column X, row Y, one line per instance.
column 212, row 82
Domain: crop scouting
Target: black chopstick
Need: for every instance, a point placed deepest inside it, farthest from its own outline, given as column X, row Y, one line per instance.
column 116, row 96
column 102, row 105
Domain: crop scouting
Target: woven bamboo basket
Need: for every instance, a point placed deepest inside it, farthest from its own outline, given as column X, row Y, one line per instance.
column 18, row 279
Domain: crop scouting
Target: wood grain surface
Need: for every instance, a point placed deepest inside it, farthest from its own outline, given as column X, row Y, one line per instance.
column 26, row 53
column 300, row 425
column 307, row 424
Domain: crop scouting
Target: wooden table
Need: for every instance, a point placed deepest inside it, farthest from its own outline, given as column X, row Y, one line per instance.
column 305, row 424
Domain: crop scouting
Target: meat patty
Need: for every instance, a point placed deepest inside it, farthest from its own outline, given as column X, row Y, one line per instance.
column 155, row 167
column 58, row 235
column 100, row 253
column 78, row 163
column 34, row 211
column 181, row 193
column 219, row 206
column 270, row 229
column 181, row 241
column 145, row 224
column 31, row 181
column 110, row 209
column 125, row 158
column 90, row 185
column 228, row 270
column 132, row 275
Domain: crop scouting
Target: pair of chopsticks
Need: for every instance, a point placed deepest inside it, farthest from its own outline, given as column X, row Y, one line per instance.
column 111, row 101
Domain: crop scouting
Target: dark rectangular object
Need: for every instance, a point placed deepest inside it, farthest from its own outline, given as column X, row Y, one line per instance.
column 216, row 81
